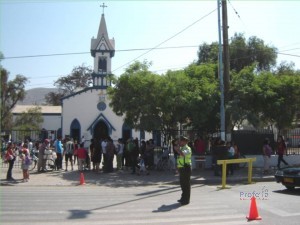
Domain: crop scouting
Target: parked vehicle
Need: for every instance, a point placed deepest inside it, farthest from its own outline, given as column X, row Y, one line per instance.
column 289, row 177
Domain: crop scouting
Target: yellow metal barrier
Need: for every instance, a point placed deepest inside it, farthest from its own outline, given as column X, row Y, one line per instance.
column 233, row 161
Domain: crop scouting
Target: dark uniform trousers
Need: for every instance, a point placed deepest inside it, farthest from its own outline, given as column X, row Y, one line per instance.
column 185, row 183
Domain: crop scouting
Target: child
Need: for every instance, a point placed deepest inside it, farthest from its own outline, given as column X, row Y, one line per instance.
column 81, row 153
column 26, row 161
column 142, row 167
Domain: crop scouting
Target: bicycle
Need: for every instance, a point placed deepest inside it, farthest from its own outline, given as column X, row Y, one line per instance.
column 49, row 161
column 165, row 162
column 34, row 162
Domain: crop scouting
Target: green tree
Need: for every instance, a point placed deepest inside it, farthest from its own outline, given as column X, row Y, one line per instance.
column 278, row 97
column 208, row 53
column 286, row 68
column 53, row 98
column 264, row 99
column 203, row 97
column 12, row 91
column 242, row 53
column 29, row 120
column 159, row 102
column 80, row 77
column 135, row 95
column 243, row 105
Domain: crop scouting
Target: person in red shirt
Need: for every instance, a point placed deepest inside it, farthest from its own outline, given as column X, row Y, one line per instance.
column 81, row 154
column 281, row 149
column 10, row 158
column 199, row 146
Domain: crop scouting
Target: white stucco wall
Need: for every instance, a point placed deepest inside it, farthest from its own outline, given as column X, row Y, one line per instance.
column 83, row 107
column 51, row 122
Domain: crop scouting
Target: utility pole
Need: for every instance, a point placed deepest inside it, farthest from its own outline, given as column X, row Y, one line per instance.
column 221, row 79
column 225, row 50
column 226, row 62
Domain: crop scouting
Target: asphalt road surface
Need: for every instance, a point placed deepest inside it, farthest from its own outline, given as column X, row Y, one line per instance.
column 153, row 204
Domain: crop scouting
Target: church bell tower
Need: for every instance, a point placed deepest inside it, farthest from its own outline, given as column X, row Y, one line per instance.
column 102, row 49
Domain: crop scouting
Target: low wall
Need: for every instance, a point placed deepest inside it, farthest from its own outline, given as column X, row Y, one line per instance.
column 290, row 159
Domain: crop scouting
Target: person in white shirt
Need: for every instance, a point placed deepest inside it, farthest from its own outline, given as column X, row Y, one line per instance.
column 103, row 146
column 230, row 153
column 119, row 152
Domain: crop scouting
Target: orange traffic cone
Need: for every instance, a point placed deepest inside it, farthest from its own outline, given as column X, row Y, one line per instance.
column 253, row 214
column 82, row 182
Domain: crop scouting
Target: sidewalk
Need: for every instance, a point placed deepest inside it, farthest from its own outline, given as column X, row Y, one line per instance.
column 126, row 179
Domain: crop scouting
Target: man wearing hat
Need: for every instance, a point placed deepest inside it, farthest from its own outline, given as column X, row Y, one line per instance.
column 184, row 164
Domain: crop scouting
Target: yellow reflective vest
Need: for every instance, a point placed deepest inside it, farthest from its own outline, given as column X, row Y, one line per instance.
column 186, row 158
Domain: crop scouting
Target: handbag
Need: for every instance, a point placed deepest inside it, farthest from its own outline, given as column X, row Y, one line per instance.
column 9, row 157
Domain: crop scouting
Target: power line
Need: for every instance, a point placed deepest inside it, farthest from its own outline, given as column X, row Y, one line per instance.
column 155, row 47
column 288, row 54
column 281, row 53
column 81, row 53
column 45, row 55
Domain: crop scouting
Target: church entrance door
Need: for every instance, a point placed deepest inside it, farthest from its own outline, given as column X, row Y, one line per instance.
column 100, row 131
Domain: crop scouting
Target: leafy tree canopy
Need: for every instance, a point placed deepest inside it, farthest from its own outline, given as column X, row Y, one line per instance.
column 242, row 53
column 264, row 99
column 12, row 91
column 80, row 77
column 158, row 102
column 29, row 120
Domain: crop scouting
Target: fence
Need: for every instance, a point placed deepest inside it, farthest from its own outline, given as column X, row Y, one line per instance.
column 21, row 135
column 251, row 141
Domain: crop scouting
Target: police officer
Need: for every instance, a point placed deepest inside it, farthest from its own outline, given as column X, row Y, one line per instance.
column 184, row 163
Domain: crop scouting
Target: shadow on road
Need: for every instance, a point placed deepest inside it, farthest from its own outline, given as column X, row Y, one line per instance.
column 167, row 208
column 296, row 192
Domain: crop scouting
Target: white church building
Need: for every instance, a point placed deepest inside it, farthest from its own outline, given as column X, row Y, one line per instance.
column 87, row 113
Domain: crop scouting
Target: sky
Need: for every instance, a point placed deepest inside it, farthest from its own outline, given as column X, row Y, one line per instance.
column 45, row 39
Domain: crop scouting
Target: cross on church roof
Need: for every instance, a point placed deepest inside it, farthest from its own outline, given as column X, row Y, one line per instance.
column 103, row 6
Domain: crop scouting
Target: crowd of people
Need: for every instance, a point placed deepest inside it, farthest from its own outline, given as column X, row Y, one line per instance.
column 97, row 156
column 132, row 154
column 267, row 151
column 10, row 152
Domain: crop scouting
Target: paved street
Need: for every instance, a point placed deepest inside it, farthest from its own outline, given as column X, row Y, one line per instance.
column 153, row 204
column 121, row 199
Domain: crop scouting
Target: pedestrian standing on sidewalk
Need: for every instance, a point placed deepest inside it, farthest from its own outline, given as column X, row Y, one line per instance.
column 26, row 161
column 110, row 151
column 230, row 155
column 184, row 164
column 281, row 150
column 10, row 158
column 76, row 146
column 41, row 166
column 81, row 152
column 267, row 151
column 97, row 154
column 59, row 152
column 119, row 153
column 69, row 153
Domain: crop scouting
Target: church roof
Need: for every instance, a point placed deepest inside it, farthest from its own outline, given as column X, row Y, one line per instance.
column 102, row 36
column 45, row 109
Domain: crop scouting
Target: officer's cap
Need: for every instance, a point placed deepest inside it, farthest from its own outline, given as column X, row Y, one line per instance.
column 183, row 138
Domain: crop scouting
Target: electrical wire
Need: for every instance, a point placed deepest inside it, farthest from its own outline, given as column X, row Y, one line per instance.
column 155, row 47
column 78, row 53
